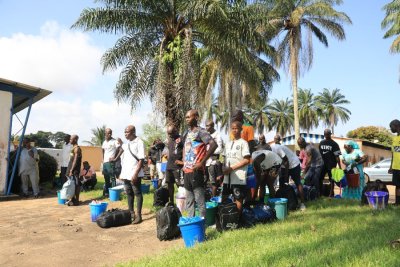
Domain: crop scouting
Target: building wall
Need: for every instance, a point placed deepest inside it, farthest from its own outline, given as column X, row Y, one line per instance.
column 93, row 155
column 5, row 107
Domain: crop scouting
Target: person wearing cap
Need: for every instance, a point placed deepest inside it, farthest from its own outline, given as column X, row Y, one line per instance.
column 330, row 153
column 87, row 177
column 290, row 167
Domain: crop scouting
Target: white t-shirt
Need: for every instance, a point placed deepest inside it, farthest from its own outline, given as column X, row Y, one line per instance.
column 234, row 152
column 65, row 154
column 217, row 138
column 283, row 151
column 27, row 164
column 110, row 147
column 271, row 159
column 128, row 162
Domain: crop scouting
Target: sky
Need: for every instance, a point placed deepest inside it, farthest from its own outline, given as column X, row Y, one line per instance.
column 39, row 48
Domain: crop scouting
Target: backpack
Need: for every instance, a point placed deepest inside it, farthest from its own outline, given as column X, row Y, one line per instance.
column 264, row 213
column 114, row 218
column 68, row 189
column 167, row 220
column 161, row 197
column 227, row 217
column 377, row 185
column 286, row 191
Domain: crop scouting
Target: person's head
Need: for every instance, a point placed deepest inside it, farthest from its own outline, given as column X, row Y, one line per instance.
column 130, row 132
column 192, row 118
column 108, row 134
column 74, row 139
column 119, row 141
column 26, row 142
column 328, row 134
column 302, row 142
column 277, row 139
column 86, row 165
column 67, row 138
column 271, row 172
column 350, row 145
column 172, row 131
column 297, row 152
column 238, row 116
column 395, row 126
column 261, row 139
column 236, row 129
column 210, row 126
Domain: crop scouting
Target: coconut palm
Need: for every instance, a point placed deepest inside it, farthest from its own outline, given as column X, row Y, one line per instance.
column 300, row 20
column 330, row 106
column 260, row 114
column 99, row 135
column 391, row 22
column 160, row 47
column 282, row 116
column 308, row 115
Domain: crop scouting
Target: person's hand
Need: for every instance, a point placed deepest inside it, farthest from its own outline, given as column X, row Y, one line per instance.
column 134, row 179
column 112, row 159
column 149, row 162
column 178, row 162
column 227, row 170
column 390, row 171
column 197, row 166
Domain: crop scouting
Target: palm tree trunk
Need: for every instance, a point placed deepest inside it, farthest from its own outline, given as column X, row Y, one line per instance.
column 294, row 72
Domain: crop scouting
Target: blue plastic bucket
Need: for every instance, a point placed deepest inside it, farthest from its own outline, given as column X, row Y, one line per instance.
column 163, row 167
column 216, row 199
column 193, row 232
column 280, row 206
column 155, row 183
column 377, row 200
column 96, row 209
column 114, row 194
column 59, row 200
column 145, row 188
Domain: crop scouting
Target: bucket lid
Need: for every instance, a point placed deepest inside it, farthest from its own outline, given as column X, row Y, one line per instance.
column 278, row 200
column 376, row 194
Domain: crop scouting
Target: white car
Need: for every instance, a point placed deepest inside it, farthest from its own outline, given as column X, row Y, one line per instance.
column 378, row 171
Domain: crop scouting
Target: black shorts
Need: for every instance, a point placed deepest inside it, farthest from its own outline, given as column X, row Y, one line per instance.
column 239, row 192
column 193, row 180
column 214, row 171
column 171, row 176
column 396, row 178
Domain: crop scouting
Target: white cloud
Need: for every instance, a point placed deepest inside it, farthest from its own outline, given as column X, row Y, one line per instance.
column 79, row 117
column 58, row 59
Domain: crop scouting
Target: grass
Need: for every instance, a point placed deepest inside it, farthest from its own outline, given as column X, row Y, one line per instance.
column 331, row 232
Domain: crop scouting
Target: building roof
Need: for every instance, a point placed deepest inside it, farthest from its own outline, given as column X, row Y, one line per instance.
column 22, row 93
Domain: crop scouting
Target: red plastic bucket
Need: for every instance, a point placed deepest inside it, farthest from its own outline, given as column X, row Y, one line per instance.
column 353, row 180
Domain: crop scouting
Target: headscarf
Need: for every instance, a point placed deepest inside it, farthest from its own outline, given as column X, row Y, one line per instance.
column 352, row 144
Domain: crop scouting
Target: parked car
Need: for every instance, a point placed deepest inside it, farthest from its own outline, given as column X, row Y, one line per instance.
column 378, row 171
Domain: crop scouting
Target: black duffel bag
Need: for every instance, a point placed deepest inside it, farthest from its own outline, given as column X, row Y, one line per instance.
column 114, row 218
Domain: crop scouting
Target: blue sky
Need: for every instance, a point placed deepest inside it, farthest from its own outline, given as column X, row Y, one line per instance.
column 38, row 47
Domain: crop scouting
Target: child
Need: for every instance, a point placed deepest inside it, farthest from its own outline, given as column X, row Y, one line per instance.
column 237, row 157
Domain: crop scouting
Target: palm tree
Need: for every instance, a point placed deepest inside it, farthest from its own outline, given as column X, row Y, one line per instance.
column 282, row 116
column 392, row 23
column 331, row 109
column 308, row 115
column 99, row 135
column 294, row 18
column 161, row 48
column 260, row 114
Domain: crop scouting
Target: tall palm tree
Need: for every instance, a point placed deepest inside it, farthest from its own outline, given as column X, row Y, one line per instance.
column 99, row 135
column 308, row 115
column 391, row 22
column 300, row 20
column 160, row 47
column 260, row 114
column 330, row 106
column 282, row 116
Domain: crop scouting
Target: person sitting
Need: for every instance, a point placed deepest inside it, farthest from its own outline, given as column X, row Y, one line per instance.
column 87, row 177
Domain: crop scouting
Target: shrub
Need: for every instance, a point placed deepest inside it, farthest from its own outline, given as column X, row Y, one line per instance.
column 47, row 167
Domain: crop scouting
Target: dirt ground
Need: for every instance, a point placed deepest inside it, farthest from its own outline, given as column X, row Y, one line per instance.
column 40, row 232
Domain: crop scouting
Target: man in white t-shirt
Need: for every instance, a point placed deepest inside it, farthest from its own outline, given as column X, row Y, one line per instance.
column 213, row 164
column 290, row 167
column 132, row 157
column 237, row 157
column 109, row 147
column 28, row 168
column 65, row 155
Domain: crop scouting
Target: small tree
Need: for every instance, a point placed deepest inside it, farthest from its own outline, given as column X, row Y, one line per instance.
column 374, row 134
column 153, row 130
column 99, row 135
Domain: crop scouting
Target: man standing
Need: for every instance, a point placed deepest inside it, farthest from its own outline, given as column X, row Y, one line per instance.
column 395, row 164
column 195, row 155
column 262, row 144
column 175, row 148
column 330, row 153
column 109, row 147
column 213, row 164
column 290, row 167
column 152, row 160
column 313, row 165
column 27, row 168
column 66, row 149
column 132, row 171
column 74, row 168
column 159, row 147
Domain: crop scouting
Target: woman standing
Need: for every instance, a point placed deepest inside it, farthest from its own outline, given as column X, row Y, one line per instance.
column 353, row 157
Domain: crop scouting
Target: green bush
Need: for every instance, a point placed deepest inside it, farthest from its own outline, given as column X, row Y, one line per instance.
column 47, row 167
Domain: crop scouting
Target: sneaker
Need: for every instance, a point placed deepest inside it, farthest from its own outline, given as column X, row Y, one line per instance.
column 302, row 207
column 36, row 196
column 137, row 220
